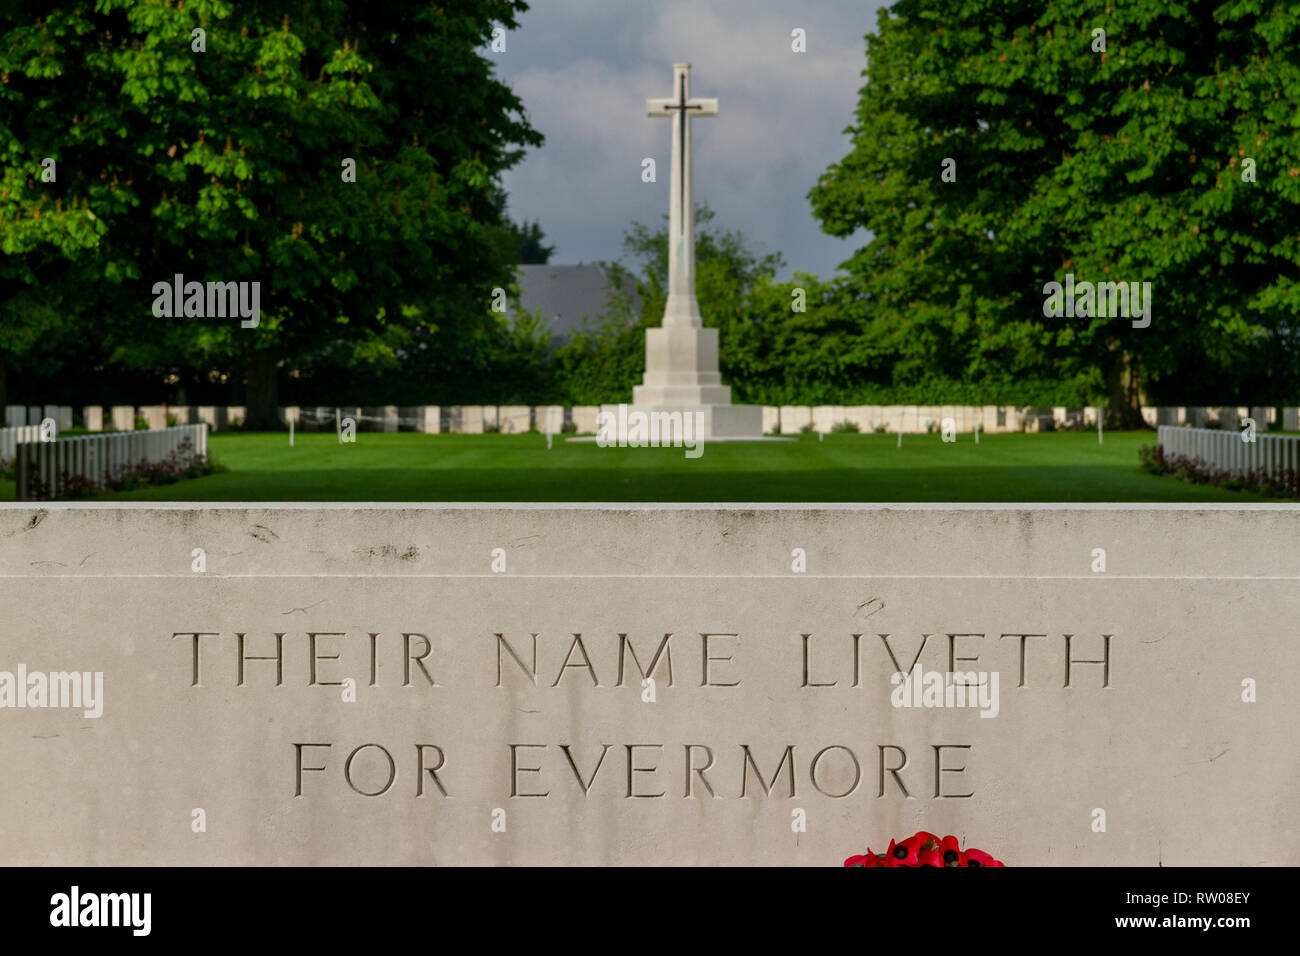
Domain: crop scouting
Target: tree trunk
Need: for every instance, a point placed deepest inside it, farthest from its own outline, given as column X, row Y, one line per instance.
column 1124, row 393
column 262, row 397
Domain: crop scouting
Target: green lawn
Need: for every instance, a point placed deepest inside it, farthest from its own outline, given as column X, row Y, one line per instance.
column 1067, row 466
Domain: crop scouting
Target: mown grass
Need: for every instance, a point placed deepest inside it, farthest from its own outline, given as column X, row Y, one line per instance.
column 1063, row 466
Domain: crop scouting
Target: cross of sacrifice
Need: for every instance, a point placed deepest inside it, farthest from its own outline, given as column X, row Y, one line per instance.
column 681, row 211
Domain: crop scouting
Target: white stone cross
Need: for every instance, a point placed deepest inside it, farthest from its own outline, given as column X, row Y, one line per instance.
column 681, row 308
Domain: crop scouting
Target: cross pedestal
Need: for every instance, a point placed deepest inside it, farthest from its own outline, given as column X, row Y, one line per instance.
column 681, row 367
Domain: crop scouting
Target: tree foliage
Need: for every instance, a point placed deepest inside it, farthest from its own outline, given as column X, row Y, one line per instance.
column 1118, row 165
column 527, row 237
column 796, row 341
column 226, row 165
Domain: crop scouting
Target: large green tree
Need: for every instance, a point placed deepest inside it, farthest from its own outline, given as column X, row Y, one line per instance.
column 1125, row 164
column 528, row 238
column 227, row 163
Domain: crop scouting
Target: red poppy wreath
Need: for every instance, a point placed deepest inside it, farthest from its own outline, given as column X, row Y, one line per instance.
column 924, row 849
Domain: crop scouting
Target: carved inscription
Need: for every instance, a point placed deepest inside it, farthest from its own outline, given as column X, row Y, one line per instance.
column 709, row 663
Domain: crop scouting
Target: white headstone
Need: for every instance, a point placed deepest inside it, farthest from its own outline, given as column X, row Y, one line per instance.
column 428, row 419
column 823, row 417
column 794, row 418
column 1226, row 416
column 467, row 419
column 155, row 415
column 514, row 419
column 550, row 419
column 585, row 418
column 124, row 418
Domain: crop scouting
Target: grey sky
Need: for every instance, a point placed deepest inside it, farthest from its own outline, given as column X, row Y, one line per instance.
column 584, row 69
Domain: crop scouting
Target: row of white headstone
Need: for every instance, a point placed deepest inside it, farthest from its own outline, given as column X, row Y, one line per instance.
column 431, row 419
column 122, row 418
column 16, row 416
column 582, row 419
column 910, row 419
column 1269, row 454
column 44, row 468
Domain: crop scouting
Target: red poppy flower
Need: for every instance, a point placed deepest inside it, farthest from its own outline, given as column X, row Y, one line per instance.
column 976, row 857
column 907, row 853
column 951, row 850
column 931, row 858
column 924, row 849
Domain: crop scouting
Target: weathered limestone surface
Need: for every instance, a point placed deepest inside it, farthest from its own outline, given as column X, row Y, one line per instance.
column 1194, row 601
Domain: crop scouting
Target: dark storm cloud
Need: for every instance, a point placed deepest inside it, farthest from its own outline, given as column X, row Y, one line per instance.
column 585, row 69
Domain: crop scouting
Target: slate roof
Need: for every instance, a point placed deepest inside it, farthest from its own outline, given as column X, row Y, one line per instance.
column 571, row 297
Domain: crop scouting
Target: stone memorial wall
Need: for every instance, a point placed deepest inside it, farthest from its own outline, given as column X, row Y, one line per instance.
column 1104, row 685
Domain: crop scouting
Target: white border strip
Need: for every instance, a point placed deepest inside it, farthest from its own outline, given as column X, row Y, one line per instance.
column 640, row 506
column 702, row 576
